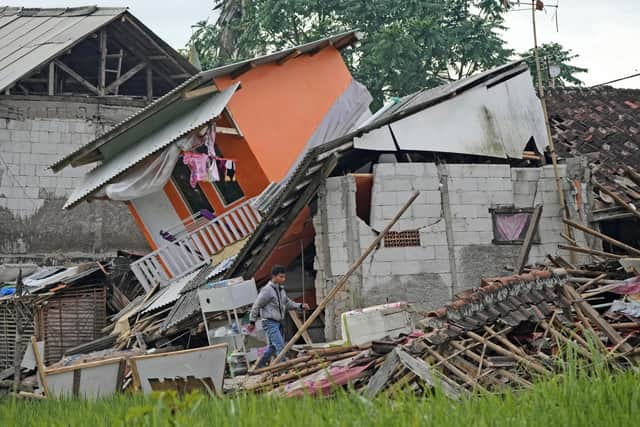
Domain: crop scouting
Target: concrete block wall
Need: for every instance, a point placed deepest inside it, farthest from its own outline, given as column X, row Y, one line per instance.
column 456, row 248
column 33, row 136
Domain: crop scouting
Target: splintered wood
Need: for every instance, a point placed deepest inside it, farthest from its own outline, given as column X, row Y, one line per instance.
column 508, row 333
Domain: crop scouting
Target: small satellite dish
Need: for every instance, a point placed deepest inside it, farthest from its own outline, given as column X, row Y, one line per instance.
column 554, row 70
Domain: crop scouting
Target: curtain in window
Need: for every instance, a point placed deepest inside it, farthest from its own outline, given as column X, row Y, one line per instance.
column 511, row 226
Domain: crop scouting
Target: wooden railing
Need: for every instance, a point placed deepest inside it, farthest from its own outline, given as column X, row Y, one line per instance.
column 196, row 248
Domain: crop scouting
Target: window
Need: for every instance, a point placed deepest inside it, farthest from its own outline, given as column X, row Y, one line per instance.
column 402, row 239
column 193, row 197
column 229, row 191
column 510, row 225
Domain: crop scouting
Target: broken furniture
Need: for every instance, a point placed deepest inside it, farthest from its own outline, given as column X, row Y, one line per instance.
column 185, row 370
column 374, row 323
column 228, row 296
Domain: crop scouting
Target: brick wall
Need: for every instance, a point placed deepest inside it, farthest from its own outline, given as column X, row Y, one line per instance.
column 427, row 276
column 33, row 135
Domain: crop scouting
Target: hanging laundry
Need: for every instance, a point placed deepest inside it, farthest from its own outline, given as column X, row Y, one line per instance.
column 214, row 171
column 210, row 139
column 197, row 164
column 230, row 176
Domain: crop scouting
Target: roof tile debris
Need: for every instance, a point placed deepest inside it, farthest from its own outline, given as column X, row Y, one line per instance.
column 602, row 124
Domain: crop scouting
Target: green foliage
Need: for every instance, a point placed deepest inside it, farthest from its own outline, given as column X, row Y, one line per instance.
column 407, row 44
column 578, row 397
column 554, row 54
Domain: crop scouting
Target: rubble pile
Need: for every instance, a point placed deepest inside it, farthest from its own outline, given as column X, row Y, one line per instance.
column 506, row 333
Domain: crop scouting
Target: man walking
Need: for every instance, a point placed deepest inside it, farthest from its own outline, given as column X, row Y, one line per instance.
column 271, row 306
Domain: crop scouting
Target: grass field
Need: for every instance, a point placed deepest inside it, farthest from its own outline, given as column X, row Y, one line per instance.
column 573, row 400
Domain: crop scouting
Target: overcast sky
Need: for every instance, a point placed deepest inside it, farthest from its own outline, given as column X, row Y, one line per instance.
column 602, row 32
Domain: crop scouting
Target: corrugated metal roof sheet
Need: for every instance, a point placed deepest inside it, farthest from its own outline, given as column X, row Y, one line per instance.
column 170, row 293
column 187, row 303
column 31, row 37
column 189, row 117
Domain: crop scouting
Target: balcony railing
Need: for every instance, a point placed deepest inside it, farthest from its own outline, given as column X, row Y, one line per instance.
column 196, row 247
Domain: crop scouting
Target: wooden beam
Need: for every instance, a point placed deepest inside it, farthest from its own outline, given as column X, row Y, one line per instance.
column 76, row 76
column 126, row 76
column 601, row 236
column 619, row 200
column 528, row 239
column 103, row 62
column 594, row 317
column 292, row 55
column 296, row 320
column 40, row 366
column 201, row 91
column 503, row 351
column 227, row 131
column 343, row 280
column 149, row 84
column 589, row 251
column 52, row 79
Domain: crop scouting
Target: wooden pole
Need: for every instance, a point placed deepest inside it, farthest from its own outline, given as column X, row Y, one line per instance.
column 343, row 280
column 601, row 236
column 17, row 348
column 102, row 71
column 528, row 239
column 543, row 101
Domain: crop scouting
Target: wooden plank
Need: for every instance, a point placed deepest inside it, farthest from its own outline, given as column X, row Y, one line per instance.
column 126, row 76
column 40, row 365
column 421, row 369
column 76, row 76
column 149, row 72
column 379, row 380
column 528, row 239
column 296, row 319
column 343, row 280
column 201, row 91
column 594, row 317
column 589, row 251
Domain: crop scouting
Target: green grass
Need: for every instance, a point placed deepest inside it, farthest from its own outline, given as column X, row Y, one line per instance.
column 571, row 400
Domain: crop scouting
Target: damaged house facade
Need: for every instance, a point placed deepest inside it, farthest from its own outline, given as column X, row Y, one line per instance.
column 67, row 76
column 474, row 149
column 192, row 164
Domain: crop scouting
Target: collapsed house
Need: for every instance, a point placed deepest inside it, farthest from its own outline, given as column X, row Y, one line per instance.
column 231, row 172
column 66, row 308
column 249, row 125
column 68, row 75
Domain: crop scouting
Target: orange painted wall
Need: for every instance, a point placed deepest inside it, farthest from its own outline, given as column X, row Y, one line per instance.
column 280, row 106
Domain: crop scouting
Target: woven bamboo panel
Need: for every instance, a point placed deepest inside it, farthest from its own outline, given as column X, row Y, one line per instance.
column 72, row 317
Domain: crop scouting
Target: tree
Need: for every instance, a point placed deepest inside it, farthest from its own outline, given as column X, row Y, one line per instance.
column 407, row 45
column 554, row 54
